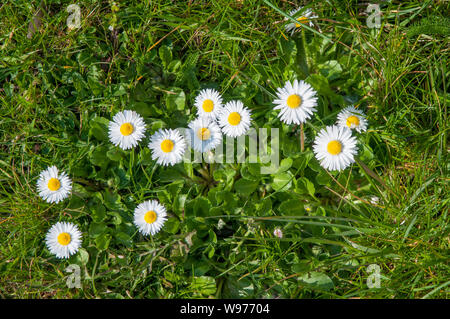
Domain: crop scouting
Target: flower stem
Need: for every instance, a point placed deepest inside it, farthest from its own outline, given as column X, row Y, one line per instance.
column 302, row 138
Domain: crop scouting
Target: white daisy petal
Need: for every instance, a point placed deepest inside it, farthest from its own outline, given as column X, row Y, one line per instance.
column 126, row 129
column 297, row 102
column 335, row 148
column 53, row 186
column 352, row 118
column 205, row 134
column 208, row 103
column 234, row 119
column 167, row 146
column 63, row 239
column 149, row 217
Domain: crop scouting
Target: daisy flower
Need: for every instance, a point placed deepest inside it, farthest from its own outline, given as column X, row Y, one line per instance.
column 53, row 186
column 63, row 239
column 205, row 134
column 126, row 129
column 168, row 146
column 297, row 102
column 353, row 119
column 149, row 217
column 234, row 119
column 335, row 147
column 208, row 103
column 304, row 18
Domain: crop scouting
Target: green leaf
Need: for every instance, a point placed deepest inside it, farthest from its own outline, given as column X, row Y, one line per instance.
column 115, row 154
column 172, row 225
column 301, row 266
column 322, row 86
column 76, row 202
column 235, row 288
column 282, row 181
column 175, row 99
column 291, row 207
column 102, row 241
column 290, row 146
column 304, row 186
column 222, row 175
column 285, row 164
column 174, row 66
column 165, row 54
column 247, row 174
column 112, row 201
column 97, row 229
column 254, row 169
column 245, row 187
column 98, row 156
column 98, row 128
column 302, row 162
column 98, row 212
column 178, row 203
column 330, row 69
column 209, row 251
column 204, row 285
column 227, row 198
column 317, row 280
column 82, row 257
column 124, row 239
column 264, row 206
column 146, row 109
column 201, row 206
column 322, row 178
column 117, row 218
column 172, row 174
column 145, row 156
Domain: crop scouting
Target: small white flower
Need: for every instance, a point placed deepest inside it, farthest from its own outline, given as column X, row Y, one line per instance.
column 149, row 217
column 234, row 119
column 303, row 18
column 168, row 147
column 63, row 239
column 352, row 118
column 205, row 134
column 126, row 129
column 278, row 233
column 335, row 147
column 374, row 200
column 208, row 103
column 53, row 187
column 297, row 102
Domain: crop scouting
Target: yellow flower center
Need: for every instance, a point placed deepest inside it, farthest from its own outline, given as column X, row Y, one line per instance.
column 167, row 146
column 334, row 147
column 150, row 217
column 301, row 20
column 208, row 105
column 126, row 129
column 64, row 239
column 352, row 120
column 294, row 101
column 53, row 184
column 204, row 134
column 234, row 118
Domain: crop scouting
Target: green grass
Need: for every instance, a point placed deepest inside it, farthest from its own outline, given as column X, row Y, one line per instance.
column 55, row 86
